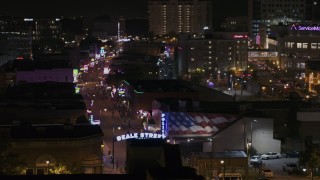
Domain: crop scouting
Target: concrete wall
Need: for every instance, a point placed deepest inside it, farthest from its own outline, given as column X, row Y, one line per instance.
column 235, row 136
column 309, row 125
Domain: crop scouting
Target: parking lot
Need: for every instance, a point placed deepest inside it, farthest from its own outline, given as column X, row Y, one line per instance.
column 276, row 165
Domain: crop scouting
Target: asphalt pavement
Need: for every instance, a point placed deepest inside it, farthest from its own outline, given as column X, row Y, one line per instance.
column 276, row 165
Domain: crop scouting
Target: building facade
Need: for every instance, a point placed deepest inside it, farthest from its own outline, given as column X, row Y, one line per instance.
column 222, row 52
column 43, row 71
column 188, row 16
column 44, row 147
column 15, row 37
column 302, row 43
column 264, row 13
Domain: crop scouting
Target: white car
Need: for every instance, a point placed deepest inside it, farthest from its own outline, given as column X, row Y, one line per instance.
column 271, row 155
column 255, row 159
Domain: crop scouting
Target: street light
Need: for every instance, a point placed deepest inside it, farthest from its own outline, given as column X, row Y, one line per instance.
column 249, row 144
column 218, row 77
column 112, row 160
column 248, row 157
column 251, row 140
column 224, row 169
column 47, row 162
column 102, row 146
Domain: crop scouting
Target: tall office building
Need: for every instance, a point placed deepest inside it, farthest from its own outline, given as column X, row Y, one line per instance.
column 264, row 13
column 15, row 37
column 187, row 16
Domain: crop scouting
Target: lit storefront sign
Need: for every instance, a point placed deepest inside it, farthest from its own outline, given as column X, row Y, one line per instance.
column 236, row 36
column 140, row 136
column 75, row 74
column 102, row 52
column 304, row 28
column 77, row 90
column 163, row 124
column 258, row 39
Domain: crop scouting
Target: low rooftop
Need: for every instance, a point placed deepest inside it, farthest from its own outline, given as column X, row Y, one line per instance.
column 54, row 131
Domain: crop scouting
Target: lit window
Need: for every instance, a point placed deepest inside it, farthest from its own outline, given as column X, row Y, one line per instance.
column 304, row 45
column 299, row 45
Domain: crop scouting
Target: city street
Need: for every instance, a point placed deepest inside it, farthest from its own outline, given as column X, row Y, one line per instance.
column 107, row 111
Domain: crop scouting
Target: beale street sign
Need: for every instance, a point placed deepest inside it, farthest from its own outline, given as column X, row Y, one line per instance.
column 139, row 136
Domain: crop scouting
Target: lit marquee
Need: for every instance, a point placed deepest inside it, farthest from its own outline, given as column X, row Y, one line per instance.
column 139, row 136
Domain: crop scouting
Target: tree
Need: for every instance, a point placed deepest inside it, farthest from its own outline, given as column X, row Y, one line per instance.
column 10, row 163
column 59, row 168
column 197, row 77
column 82, row 120
column 310, row 158
column 252, row 150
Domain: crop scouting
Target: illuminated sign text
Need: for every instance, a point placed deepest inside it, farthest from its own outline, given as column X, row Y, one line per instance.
column 239, row 36
column 305, row 28
column 139, row 136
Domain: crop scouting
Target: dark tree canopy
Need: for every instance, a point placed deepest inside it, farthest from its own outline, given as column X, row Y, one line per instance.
column 10, row 163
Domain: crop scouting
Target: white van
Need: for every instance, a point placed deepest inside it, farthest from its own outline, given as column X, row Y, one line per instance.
column 230, row 176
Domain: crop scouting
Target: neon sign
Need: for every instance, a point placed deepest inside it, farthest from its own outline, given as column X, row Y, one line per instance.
column 304, row 28
column 102, row 52
column 236, row 36
column 139, row 136
column 163, row 123
column 258, row 39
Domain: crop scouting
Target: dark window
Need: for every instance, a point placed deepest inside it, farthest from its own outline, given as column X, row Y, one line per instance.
column 29, row 172
column 40, row 171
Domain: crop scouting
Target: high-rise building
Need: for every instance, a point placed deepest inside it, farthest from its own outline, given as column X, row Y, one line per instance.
column 264, row 13
column 187, row 16
column 15, row 37
column 223, row 51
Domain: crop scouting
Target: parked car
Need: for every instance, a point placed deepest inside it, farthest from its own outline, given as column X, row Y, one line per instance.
column 290, row 167
column 271, row 155
column 229, row 176
column 292, row 154
column 267, row 173
column 262, row 178
column 255, row 159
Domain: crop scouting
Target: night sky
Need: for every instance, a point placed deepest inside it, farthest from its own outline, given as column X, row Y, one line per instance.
column 92, row 8
column 113, row 8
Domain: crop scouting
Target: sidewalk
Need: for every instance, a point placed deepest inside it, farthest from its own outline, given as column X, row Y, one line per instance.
column 108, row 169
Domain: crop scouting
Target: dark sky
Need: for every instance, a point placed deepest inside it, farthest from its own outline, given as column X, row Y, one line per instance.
column 93, row 8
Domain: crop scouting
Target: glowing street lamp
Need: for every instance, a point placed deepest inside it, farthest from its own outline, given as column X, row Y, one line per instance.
column 224, row 168
column 251, row 140
column 47, row 162
column 102, row 146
